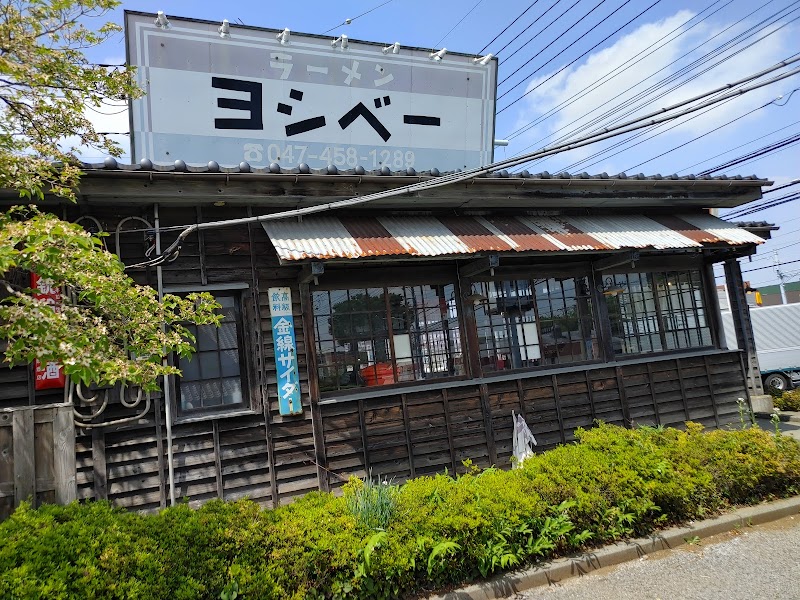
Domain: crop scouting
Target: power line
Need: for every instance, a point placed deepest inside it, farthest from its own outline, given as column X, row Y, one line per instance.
column 788, row 262
column 639, row 97
column 685, row 169
column 701, row 136
column 611, row 74
column 461, row 20
column 575, row 60
column 773, row 204
column 348, row 21
column 769, row 148
column 536, row 20
column 555, row 39
column 631, row 138
column 782, row 187
column 506, row 28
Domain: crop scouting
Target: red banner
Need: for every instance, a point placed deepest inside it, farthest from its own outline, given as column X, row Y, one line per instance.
column 48, row 375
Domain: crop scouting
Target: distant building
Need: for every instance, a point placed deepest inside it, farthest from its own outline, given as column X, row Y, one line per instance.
column 771, row 294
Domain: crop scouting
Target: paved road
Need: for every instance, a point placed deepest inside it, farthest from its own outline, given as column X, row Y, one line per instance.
column 759, row 563
column 789, row 428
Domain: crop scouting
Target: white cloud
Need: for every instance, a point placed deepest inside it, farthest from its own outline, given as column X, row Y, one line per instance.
column 573, row 80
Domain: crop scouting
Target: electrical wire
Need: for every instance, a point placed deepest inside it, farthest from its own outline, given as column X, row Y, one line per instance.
column 555, row 39
column 616, row 71
column 686, row 169
column 782, row 187
column 777, row 202
column 506, row 28
column 366, row 12
column 536, row 20
column 768, row 149
column 595, row 26
column 613, row 33
column 640, row 96
column 461, row 20
column 699, row 137
column 621, row 106
column 647, row 120
column 788, row 262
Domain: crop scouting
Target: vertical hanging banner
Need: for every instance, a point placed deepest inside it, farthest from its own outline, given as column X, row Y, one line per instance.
column 49, row 375
column 285, row 343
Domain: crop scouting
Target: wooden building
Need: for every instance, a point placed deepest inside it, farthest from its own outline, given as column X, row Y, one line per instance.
column 421, row 322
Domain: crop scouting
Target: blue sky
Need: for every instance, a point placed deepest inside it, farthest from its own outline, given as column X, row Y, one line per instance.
column 541, row 67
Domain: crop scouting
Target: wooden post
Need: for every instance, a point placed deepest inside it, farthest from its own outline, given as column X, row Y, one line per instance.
column 217, row 459
column 652, row 385
column 407, row 426
column 24, row 462
column 742, row 325
column 683, row 388
column 487, row 423
column 64, row 470
column 623, row 398
column 100, row 472
column 711, row 391
column 557, row 401
column 449, row 429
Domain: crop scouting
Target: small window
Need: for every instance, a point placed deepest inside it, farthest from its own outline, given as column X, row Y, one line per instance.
column 531, row 323
column 656, row 312
column 214, row 378
column 380, row 336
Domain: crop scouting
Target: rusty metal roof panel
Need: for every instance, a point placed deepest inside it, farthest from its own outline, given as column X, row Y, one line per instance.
column 327, row 237
column 721, row 231
column 424, row 236
column 318, row 237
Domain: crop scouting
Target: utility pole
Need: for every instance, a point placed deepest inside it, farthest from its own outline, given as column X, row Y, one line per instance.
column 781, row 276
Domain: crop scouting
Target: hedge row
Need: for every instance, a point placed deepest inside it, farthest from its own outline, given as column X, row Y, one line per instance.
column 788, row 400
column 439, row 531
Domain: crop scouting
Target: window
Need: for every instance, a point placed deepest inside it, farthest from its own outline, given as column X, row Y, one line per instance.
column 381, row 336
column 214, row 378
column 656, row 312
column 524, row 323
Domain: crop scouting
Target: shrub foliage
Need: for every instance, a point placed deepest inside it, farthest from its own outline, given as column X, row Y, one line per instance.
column 612, row 484
column 788, row 400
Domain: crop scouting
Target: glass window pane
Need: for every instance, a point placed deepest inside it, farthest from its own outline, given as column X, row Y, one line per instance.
column 207, row 337
column 209, row 364
column 190, row 395
column 229, row 360
column 228, row 336
column 190, row 368
column 232, row 390
column 211, row 393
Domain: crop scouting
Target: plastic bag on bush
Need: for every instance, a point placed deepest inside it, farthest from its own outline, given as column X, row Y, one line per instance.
column 523, row 440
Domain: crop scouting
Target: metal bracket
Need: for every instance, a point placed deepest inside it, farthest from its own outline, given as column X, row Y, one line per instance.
column 311, row 272
column 476, row 267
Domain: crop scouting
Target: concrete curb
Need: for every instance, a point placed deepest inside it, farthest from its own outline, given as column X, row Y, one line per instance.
column 507, row 584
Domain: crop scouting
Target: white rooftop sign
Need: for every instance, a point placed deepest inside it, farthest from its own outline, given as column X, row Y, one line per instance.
column 250, row 97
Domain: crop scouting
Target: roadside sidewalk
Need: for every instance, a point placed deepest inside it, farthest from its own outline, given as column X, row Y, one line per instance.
column 506, row 585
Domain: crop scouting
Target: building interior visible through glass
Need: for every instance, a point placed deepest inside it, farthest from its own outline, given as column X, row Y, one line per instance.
column 381, row 336
column 524, row 323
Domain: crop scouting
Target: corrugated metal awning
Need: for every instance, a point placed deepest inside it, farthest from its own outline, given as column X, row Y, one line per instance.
column 329, row 237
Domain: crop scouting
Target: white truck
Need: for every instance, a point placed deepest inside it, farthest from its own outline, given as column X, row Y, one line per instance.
column 777, row 334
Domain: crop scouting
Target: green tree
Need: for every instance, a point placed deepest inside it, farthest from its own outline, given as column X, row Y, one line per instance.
column 109, row 328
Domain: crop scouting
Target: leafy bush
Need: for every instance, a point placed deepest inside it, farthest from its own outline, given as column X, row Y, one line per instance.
column 383, row 541
column 788, row 400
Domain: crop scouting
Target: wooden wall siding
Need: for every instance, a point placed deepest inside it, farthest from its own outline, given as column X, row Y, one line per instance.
column 416, row 433
column 37, row 462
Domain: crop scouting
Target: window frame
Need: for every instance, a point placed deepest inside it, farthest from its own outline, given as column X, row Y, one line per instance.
column 533, row 275
column 655, row 270
column 240, row 292
column 429, row 278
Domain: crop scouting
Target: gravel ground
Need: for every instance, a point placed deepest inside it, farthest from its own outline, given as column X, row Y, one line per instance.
column 761, row 563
